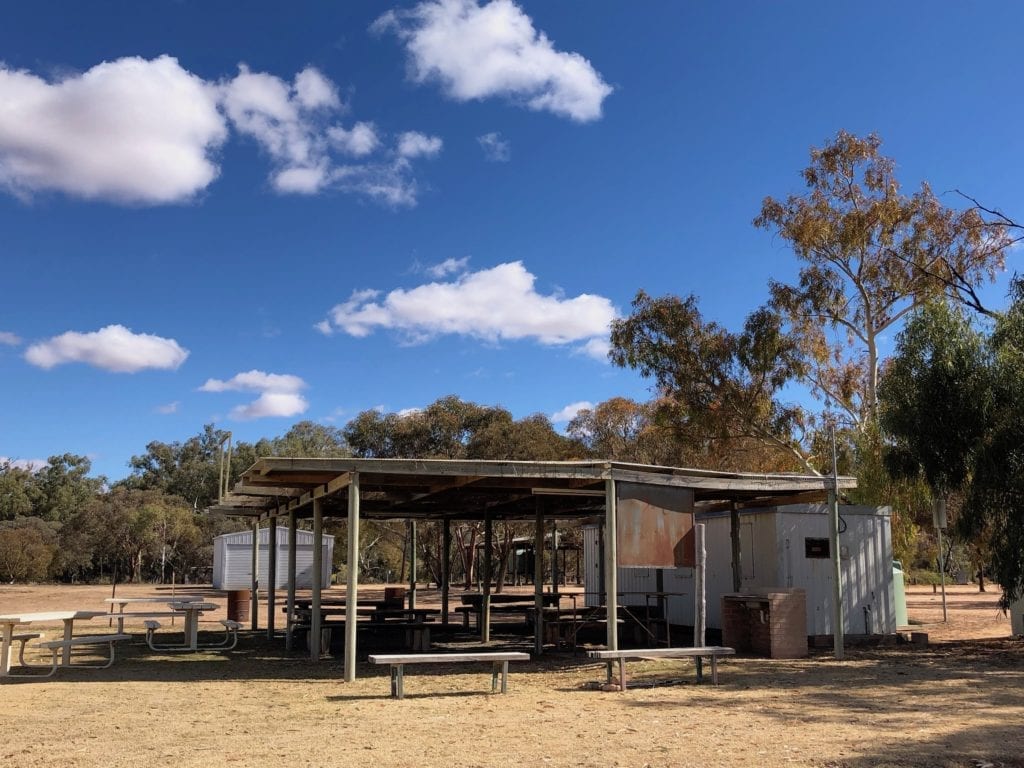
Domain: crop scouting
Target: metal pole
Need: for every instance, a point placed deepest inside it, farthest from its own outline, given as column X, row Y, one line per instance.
column 538, row 576
column 837, row 570
column 271, row 576
column 352, row 585
column 485, row 608
column 939, row 515
column 446, row 569
column 292, row 525
column 611, row 555
column 554, row 557
column 737, row 551
column 254, row 598
column 317, row 580
column 412, row 564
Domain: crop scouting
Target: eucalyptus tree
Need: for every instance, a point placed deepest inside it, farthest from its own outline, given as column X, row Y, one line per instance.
column 869, row 255
column 716, row 385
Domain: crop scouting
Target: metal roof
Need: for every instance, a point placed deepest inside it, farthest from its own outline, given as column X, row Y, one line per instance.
column 461, row 489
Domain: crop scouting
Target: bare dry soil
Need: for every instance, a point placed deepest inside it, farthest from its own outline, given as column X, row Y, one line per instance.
column 958, row 702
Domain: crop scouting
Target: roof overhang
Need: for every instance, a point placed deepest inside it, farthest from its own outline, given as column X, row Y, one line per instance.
column 434, row 489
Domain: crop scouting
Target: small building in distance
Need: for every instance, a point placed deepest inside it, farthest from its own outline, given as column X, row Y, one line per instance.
column 232, row 559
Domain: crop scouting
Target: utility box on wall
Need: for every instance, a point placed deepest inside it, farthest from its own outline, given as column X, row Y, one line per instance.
column 232, row 560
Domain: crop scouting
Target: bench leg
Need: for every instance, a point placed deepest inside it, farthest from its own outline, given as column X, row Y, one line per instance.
column 622, row 674
column 397, row 691
column 495, row 668
column 504, row 677
column 700, row 666
column 714, row 670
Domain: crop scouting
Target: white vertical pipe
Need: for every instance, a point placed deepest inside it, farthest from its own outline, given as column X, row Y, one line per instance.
column 352, row 582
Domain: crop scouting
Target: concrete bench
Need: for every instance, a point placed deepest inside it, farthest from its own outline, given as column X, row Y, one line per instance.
column 139, row 615
column 23, row 638
column 57, row 647
column 498, row 659
column 709, row 651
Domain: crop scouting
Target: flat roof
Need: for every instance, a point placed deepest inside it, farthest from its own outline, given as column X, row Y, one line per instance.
column 435, row 489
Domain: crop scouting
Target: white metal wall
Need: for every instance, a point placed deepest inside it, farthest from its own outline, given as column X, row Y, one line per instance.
column 773, row 555
column 232, row 559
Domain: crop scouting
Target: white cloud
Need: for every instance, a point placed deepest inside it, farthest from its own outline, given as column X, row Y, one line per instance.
column 32, row 465
column 271, row 405
column 129, row 130
column 9, row 339
column 168, row 408
column 291, row 122
column 148, row 131
column 113, row 348
column 255, row 381
column 492, row 304
column 409, row 412
column 496, row 149
column 360, row 140
column 286, row 121
column 478, row 52
column 415, row 144
column 279, row 394
column 447, row 267
column 597, row 348
column 571, row 411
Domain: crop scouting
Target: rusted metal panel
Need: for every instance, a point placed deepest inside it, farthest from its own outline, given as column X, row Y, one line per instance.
column 654, row 526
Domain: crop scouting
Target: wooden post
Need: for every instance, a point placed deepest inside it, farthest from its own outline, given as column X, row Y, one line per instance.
column 412, row 564
column 538, row 576
column 737, row 552
column 352, row 583
column 271, row 575
column 318, row 566
column 446, row 570
column 254, row 597
column 485, row 608
column 611, row 568
column 837, row 566
column 699, row 589
column 292, row 525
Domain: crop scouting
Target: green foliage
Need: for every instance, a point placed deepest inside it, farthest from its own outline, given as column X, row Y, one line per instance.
column 27, row 546
column 717, row 385
column 937, row 398
column 995, row 510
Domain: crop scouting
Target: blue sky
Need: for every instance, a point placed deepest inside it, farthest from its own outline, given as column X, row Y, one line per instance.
column 258, row 214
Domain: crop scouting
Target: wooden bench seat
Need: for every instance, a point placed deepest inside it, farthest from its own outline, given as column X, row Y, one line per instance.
column 56, row 647
column 710, row 651
column 498, row 659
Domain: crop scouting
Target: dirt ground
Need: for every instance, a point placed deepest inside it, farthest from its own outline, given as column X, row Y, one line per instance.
column 958, row 702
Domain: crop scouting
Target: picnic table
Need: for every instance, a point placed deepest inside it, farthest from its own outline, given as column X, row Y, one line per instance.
column 9, row 621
